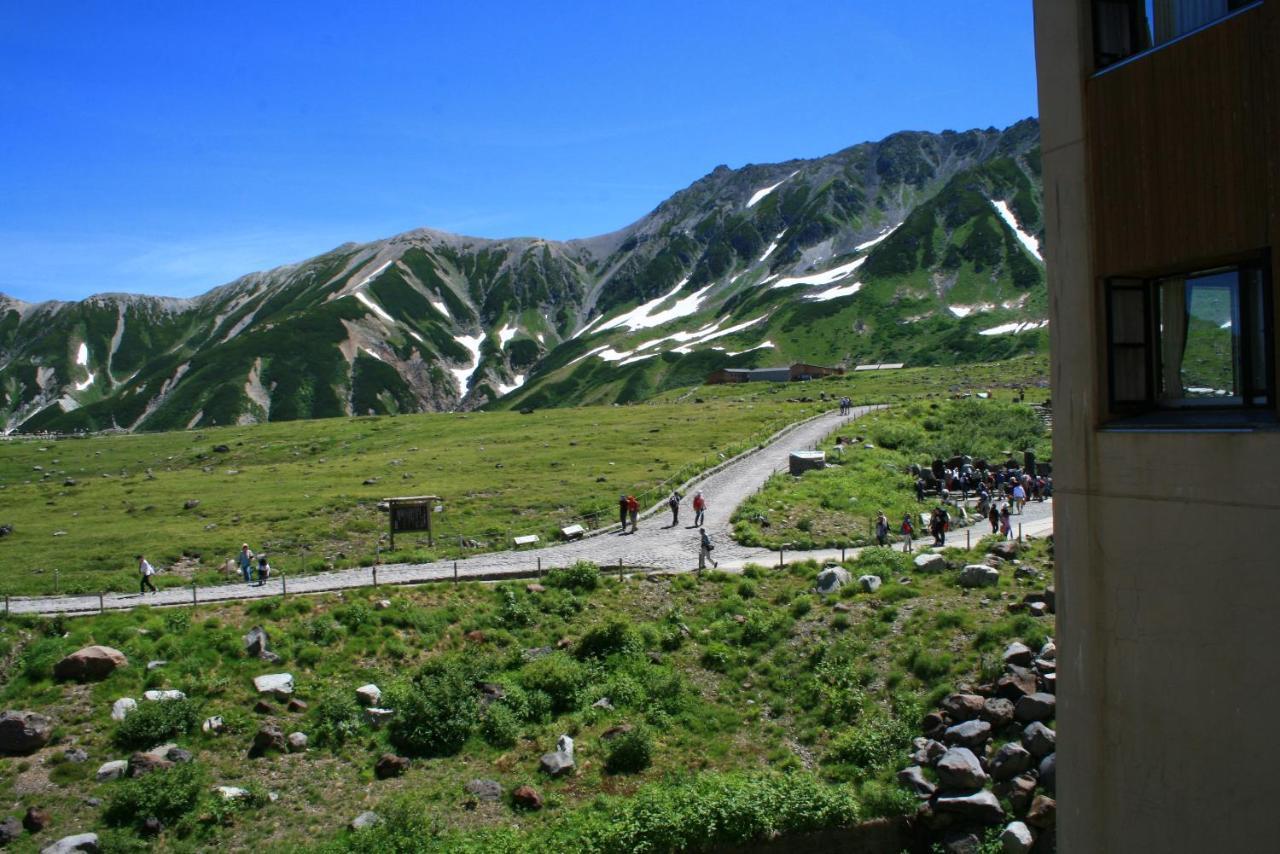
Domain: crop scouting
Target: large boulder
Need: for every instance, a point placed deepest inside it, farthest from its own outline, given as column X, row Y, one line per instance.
column 556, row 763
column 1016, row 683
column 121, row 708
column 278, row 685
column 869, row 583
column 90, row 663
column 930, row 562
column 23, row 732
column 1019, row 654
column 390, row 765
column 113, row 770
column 369, row 695
column 959, row 770
column 269, row 737
column 831, row 579
column 981, row 807
column 913, row 778
column 979, row 575
column 1035, row 707
column 297, row 742
column 997, row 711
column 1005, row 549
column 972, row 734
column 256, row 642
column 1010, row 760
column 86, row 842
column 962, row 707
column 1017, row 839
column 526, row 798
column 1039, row 739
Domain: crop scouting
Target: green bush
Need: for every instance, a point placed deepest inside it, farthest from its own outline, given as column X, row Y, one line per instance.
column 500, row 727
column 168, row 794
column 335, row 718
column 629, row 753
column 583, row 575
column 874, row 743
column 559, row 677
column 612, row 638
column 717, row 657
column 153, row 723
column 435, row 711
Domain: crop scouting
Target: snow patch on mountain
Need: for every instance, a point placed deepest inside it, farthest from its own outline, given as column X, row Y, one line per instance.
column 505, row 334
column 1032, row 245
column 517, row 381
column 82, row 356
column 439, row 306
column 463, row 375
column 369, row 278
column 81, row 386
column 966, row 310
column 760, row 194
column 372, row 354
column 647, row 316
column 862, row 247
column 373, row 306
column 763, row 345
column 824, row 278
column 1014, row 328
column 835, row 293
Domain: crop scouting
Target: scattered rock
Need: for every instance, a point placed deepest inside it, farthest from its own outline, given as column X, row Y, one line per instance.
column 475, row 636
column 603, row 703
column 484, row 790
column 221, row 449
column 214, row 725
column 156, row 664
column 1015, row 684
column 1010, row 760
column 526, row 798
column 36, row 819
column 1035, row 707
column 142, row 764
column 366, row 819
column 959, row 770
column 382, row 605
column 178, row 756
column 962, row 707
column 1017, row 838
column 256, row 642
column 75, row 755
column 842, row 607
column 832, row 579
column 557, row 763
column 1005, row 549
column 1019, row 654
column 979, row 575
column 279, row 685
column 1049, row 773
column 268, row 737
column 162, row 696
column 90, row 663
column 1049, row 682
column 10, row 830
column 389, row 765
column 1038, row 609
column 535, row 588
column 869, row 583
column 968, row 734
column 87, row 842
column 1019, row 791
column 23, row 732
column 615, row 731
column 1039, row 739
column 231, row 793
column 927, row 751
column 112, row 770
column 930, row 562
column 378, row 718
column 151, row 826
column 296, row 705
column 369, row 695
column 1026, row 573
column 1043, row 813
column 297, row 742
column 982, row 806
column 997, row 711
column 191, row 504
column 262, row 707
column 914, row 779
column 1049, row 652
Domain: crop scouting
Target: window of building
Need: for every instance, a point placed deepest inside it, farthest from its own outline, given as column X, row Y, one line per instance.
column 1123, row 28
column 1193, row 341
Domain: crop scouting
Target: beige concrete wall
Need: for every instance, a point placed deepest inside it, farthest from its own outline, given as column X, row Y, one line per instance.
column 1166, row 578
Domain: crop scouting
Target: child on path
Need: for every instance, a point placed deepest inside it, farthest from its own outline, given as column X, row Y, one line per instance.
column 704, row 550
column 633, row 508
column 674, row 503
column 246, row 563
column 146, row 570
column 264, row 570
column 699, row 507
column 907, row 530
column 882, row 528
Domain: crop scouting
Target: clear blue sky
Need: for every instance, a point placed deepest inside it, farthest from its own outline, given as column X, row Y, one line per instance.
column 167, row 147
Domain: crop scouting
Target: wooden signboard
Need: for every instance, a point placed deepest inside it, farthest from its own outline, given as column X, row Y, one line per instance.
column 412, row 513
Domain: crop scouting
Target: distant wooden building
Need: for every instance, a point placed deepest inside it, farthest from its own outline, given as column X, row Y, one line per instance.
column 798, row 371
column 801, row 371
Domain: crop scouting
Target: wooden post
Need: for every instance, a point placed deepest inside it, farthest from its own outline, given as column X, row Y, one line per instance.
column 1019, row 532
column 455, row 572
column 539, row 567
column 391, row 523
column 966, row 538
column 55, row 582
column 375, row 575
column 284, row 587
column 619, row 569
column 780, row 556
column 102, row 608
column 842, row 547
column 193, row 594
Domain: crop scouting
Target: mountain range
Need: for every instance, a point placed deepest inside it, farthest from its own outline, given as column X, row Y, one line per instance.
column 921, row 248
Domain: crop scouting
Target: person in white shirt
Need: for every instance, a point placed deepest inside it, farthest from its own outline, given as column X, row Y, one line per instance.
column 146, row 570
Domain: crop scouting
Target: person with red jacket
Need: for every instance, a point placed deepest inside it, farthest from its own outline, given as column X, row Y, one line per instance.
column 699, row 507
column 633, row 508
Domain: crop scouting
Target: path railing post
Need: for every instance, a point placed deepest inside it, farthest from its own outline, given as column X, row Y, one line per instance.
column 375, row 575
column 193, row 595
column 6, row 604
column 284, row 586
column 455, row 572
column 780, row 556
column 966, row 538
column 102, row 608
column 619, row 569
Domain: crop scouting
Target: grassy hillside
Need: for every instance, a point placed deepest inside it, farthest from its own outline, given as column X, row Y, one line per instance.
column 749, row 698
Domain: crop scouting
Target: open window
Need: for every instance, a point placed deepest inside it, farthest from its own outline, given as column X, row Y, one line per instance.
column 1200, row 340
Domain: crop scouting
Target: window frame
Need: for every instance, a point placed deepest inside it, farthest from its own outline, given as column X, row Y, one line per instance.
column 1255, row 264
column 1100, row 68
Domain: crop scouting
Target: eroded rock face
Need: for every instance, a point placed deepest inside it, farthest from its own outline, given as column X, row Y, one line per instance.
column 90, row 663
column 24, row 732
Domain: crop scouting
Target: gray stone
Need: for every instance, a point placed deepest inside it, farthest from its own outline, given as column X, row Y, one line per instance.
column 214, row 725
column 928, row 751
column 23, row 732
column 369, row 695
column 979, row 575
column 113, row 770
column 830, row 580
column 1049, row 652
column 1018, row 653
column 1035, row 707
column 1010, row 760
column 603, row 703
column 156, row 664
column 1039, row 739
column 557, row 763
column 297, row 742
column 90, row 663
column 484, row 790
column 1020, row 790
column 177, row 755
column 1050, row 683
column 870, row 583
column 1038, row 609
column 564, row 744
column 378, row 718
column 268, row 737
column 930, row 562
column 10, row 830
column 959, row 770
column 997, row 711
column 277, row 684
column 161, row 696
column 256, row 641
column 1016, row 683
column 982, row 806
column 1048, row 773
column 1004, row 549
column 968, row 734
column 231, row 793
column 1043, row 813
column 87, row 842
column 962, row 707
column 366, row 819
column 1016, row 839
column 914, row 779
column 75, row 755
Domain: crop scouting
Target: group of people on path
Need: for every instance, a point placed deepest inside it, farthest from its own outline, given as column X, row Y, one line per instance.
column 629, row 510
column 846, row 406
column 245, row 562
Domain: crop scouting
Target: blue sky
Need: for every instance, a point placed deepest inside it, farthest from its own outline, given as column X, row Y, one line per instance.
column 170, row 147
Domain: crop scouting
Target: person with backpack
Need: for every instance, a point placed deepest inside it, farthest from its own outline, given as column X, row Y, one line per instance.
column 704, row 550
column 246, row 563
column 674, row 503
column 622, row 512
column 633, row 509
column 699, row 508
column 1006, row 524
column 145, row 570
column 907, row 530
column 944, row 524
column 264, row 569
column 882, row 528
column 994, row 518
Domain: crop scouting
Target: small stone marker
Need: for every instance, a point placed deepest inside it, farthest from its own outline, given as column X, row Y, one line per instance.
column 526, row 540
column 572, row 532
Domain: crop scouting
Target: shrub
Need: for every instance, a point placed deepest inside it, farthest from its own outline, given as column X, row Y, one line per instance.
column 436, row 711
column 583, row 575
column 612, row 638
column 559, row 677
column 800, row 606
column 154, row 722
column 354, row 616
column 512, row 613
column 336, row 717
column 872, row 744
column 167, row 794
column 500, row 727
column 717, row 657
column 324, row 631
column 630, row 753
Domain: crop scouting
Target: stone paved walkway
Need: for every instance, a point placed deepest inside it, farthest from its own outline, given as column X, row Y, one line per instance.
column 654, row 547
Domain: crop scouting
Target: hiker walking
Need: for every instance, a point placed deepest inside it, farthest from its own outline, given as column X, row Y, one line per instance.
column 674, row 503
column 264, row 569
column 907, row 529
column 699, row 508
column 944, row 524
column 882, row 528
column 1019, row 497
column 246, row 563
column 633, row 509
column 1006, row 524
column 704, row 550
column 994, row 518
column 622, row 512
column 145, row 570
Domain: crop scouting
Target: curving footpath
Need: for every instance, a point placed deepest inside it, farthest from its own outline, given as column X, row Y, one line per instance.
column 655, row 546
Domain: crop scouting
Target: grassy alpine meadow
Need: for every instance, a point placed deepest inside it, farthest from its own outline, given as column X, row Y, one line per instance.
column 836, row 506
column 307, row 492
column 706, row 710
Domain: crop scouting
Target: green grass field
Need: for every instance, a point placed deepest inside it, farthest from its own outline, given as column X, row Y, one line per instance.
column 750, row 696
